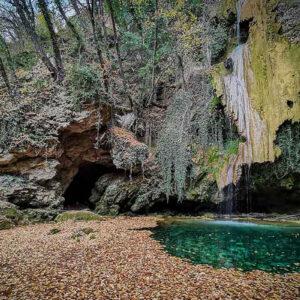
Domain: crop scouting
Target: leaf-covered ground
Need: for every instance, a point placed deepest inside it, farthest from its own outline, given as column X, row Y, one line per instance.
column 116, row 261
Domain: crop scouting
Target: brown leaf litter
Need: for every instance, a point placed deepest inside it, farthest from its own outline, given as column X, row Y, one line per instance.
column 119, row 262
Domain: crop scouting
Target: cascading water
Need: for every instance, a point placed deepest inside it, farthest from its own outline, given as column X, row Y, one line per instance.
column 239, row 110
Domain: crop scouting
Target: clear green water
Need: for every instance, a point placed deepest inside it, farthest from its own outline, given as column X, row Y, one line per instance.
column 231, row 244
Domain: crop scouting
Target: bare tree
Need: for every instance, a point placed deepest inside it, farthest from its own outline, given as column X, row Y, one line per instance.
column 102, row 21
column 117, row 46
column 21, row 7
column 57, row 55
column 154, row 50
column 68, row 22
column 91, row 7
column 74, row 4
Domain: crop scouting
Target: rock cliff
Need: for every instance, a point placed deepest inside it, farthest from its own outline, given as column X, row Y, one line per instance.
column 256, row 90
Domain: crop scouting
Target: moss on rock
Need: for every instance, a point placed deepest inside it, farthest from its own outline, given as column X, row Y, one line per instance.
column 78, row 216
column 6, row 223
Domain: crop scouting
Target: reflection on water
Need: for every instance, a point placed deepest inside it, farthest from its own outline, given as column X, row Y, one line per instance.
column 231, row 244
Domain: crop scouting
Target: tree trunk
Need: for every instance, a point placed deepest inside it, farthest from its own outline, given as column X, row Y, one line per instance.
column 57, row 55
column 181, row 71
column 154, row 51
column 69, row 23
column 4, row 46
column 77, row 11
column 4, row 76
column 35, row 40
column 117, row 46
column 91, row 10
column 101, row 6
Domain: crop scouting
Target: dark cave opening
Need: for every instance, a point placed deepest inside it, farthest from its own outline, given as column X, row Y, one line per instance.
column 79, row 190
column 172, row 207
column 260, row 191
column 244, row 30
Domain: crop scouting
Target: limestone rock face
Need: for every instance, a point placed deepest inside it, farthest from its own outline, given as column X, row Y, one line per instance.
column 287, row 14
column 112, row 192
column 270, row 72
column 26, row 193
column 36, row 175
column 126, row 151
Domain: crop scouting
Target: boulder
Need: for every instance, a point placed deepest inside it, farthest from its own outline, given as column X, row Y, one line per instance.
column 112, row 193
column 126, row 151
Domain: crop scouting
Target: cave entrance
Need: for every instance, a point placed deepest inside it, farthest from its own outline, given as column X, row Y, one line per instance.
column 244, row 30
column 78, row 192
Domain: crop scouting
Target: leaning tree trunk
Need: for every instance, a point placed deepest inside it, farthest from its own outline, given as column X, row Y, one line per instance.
column 35, row 40
column 69, row 23
column 117, row 46
column 4, row 76
column 57, row 55
column 78, row 14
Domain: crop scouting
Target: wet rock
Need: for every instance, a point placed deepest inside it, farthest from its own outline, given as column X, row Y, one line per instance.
column 229, row 64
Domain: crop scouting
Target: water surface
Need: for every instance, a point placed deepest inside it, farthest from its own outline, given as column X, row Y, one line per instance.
column 230, row 244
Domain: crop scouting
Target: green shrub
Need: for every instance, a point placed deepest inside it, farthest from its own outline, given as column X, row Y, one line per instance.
column 24, row 59
column 232, row 147
column 85, row 84
column 219, row 42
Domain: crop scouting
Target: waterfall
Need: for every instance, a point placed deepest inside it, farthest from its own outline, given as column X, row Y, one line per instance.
column 237, row 100
column 240, row 111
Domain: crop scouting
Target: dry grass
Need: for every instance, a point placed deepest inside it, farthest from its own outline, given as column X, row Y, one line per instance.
column 119, row 263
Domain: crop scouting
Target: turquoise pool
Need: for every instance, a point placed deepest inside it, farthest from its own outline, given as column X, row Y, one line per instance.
column 231, row 244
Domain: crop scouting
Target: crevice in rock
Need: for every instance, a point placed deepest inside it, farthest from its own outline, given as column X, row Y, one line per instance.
column 290, row 103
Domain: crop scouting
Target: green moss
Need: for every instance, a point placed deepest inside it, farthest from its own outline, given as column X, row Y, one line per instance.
column 294, row 55
column 12, row 213
column 87, row 230
column 226, row 7
column 232, row 147
column 54, row 231
column 92, row 237
column 5, row 223
column 78, row 216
